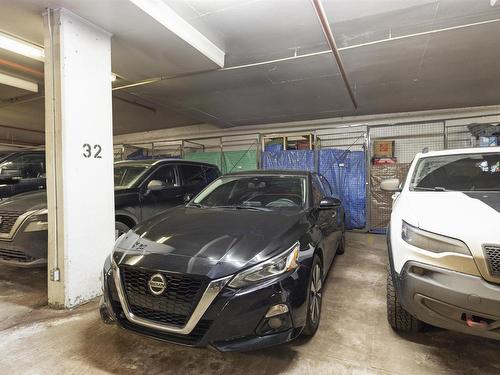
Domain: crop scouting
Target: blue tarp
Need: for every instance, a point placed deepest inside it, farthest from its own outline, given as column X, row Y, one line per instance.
column 344, row 170
column 292, row 159
column 274, row 147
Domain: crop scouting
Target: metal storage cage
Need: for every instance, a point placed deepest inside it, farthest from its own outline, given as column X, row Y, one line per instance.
column 240, row 153
column 408, row 140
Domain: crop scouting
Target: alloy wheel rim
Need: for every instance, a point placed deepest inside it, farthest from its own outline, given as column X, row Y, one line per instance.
column 118, row 233
column 315, row 297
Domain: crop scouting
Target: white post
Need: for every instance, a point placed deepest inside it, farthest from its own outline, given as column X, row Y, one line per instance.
column 79, row 147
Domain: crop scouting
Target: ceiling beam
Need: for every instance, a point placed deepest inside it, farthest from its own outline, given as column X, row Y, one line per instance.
column 21, row 129
column 22, row 99
column 17, row 45
column 19, row 83
column 167, row 17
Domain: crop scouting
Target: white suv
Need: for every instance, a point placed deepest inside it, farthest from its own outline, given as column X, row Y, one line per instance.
column 444, row 243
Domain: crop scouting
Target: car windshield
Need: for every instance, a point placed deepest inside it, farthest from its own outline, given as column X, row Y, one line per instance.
column 262, row 193
column 465, row 172
column 29, row 165
column 127, row 175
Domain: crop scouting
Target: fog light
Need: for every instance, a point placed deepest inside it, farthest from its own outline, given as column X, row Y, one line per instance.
column 275, row 323
column 277, row 319
column 277, row 310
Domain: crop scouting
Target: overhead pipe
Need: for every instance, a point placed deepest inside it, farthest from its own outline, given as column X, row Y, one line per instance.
column 21, row 68
column 323, row 20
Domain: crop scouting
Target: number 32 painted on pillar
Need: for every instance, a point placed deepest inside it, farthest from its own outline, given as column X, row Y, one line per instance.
column 87, row 151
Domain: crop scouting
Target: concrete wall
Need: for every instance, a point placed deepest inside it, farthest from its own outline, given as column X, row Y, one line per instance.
column 462, row 116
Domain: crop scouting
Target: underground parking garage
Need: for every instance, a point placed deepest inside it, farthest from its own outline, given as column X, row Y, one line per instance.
column 270, row 186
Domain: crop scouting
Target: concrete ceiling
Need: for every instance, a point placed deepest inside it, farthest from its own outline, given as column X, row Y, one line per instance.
column 277, row 64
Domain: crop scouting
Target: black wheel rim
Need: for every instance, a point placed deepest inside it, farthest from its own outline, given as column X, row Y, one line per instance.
column 315, row 297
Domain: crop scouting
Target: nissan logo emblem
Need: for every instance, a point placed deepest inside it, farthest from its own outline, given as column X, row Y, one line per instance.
column 157, row 284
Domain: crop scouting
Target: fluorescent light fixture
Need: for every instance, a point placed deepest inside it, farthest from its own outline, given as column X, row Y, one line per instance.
column 21, row 47
column 18, row 82
column 166, row 16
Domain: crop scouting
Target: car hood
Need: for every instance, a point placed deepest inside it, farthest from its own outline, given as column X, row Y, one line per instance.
column 38, row 200
column 25, row 202
column 209, row 242
column 472, row 217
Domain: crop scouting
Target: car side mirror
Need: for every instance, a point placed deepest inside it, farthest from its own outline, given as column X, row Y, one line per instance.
column 329, row 203
column 392, row 184
column 156, row 185
column 188, row 197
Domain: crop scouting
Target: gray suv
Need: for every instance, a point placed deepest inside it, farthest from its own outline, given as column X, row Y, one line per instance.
column 143, row 189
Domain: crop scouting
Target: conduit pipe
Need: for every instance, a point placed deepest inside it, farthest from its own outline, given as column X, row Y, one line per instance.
column 323, row 20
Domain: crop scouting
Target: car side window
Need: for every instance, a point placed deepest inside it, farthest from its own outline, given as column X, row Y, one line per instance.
column 165, row 174
column 326, row 186
column 192, row 175
column 317, row 190
column 211, row 173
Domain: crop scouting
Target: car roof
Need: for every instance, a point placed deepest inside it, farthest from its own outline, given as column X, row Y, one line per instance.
column 459, row 151
column 268, row 172
column 149, row 162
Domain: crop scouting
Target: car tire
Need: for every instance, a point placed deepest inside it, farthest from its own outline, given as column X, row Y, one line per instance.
column 399, row 319
column 314, row 297
column 341, row 244
column 120, row 228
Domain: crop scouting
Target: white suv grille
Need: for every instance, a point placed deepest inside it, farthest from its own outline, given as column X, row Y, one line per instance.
column 492, row 254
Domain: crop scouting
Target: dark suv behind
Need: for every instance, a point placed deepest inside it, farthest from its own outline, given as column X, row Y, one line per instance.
column 143, row 188
column 21, row 172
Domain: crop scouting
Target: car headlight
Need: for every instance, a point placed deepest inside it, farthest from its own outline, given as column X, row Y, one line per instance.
column 431, row 241
column 37, row 222
column 280, row 264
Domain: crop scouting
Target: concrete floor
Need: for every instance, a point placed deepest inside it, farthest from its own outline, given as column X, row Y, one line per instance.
column 353, row 337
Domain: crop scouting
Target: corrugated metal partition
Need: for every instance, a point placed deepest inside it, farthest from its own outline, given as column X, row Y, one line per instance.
column 409, row 139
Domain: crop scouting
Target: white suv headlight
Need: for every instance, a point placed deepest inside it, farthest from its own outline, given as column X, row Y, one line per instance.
column 273, row 267
column 37, row 222
column 431, row 241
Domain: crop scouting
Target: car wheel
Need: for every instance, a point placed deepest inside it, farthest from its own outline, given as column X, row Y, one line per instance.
column 315, row 298
column 341, row 244
column 399, row 319
column 120, row 228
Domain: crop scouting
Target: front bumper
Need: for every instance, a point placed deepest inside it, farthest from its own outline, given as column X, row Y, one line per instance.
column 25, row 249
column 450, row 299
column 234, row 321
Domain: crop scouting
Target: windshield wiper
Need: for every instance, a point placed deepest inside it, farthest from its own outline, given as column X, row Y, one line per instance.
column 242, row 207
column 437, row 188
column 197, row 205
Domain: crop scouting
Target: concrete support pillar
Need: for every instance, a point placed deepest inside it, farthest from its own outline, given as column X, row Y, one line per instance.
column 79, row 144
